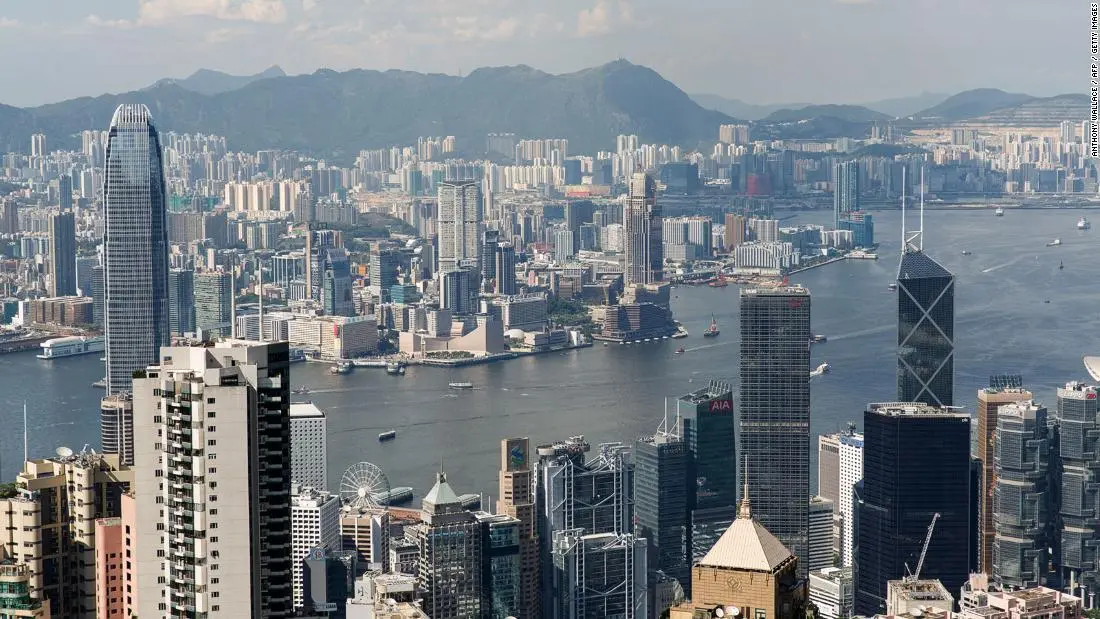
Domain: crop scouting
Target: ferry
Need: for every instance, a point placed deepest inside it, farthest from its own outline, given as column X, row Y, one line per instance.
column 342, row 367
column 300, row 390
column 461, row 385
column 72, row 346
column 1083, row 224
column 820, row 339
column 1060, row 265
column 819, row 370
column 388, row 435
column 966, row 252
column 1054, row 243
column 1000, row 212
column 893, row 286
column 679, row 351
column 719, row 282
column 395, row 368
column 368, row 363
column 712, row 330
column 395, row 496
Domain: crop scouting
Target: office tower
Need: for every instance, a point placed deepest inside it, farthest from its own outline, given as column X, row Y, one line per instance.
column 735, row 231
column 98, row 285
column 664, row 493
column 62, row 254
column 775, row 410
column 600, row 575
column 706, row 417
column 336, row 284
column 819, row 544
column 563, row 245
column 214, row 304
column 65, row 192
column 1077, row 449
column 748, row 573
column 916, row 463
column 384, row 265
column 9, row 217
column 308, row 446
column 851, row 472
column 450, row 555
column 926, row 330
column 38, row 145
column 644, row 252
column 505, row 269
column 990, row 401
column 460, row 224
column 490, row 244
column 516, row 499
column 51, row 521
column 846, row 190
column 457, row 291
column 1025, row 506
column 364, row 531
column 501, row 566
column 832, row 591
column 316, row 242
column 315, row 523
column 212, row 431
column 135, row 246
column 181, row 301
column 116, row 426
column 328, row 578
column 828, row 468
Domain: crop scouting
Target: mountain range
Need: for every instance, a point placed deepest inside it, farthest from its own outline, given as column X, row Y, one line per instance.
column 208, row 82
column 895, row 108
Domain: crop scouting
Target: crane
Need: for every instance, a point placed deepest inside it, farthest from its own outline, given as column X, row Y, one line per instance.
column 924, row 549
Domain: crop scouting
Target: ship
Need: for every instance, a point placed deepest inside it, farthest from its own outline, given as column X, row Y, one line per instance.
column 342, row 367
column 718, row 282
column 72, row 346
column 300, row 390
column 966, row 252
column 369, row 363
column 893, row 286
column 1054, row 243
column 388, row 435
column 461, row 385
column 1000, row 212
column 712, row 330
column 819, row 339
column 679, row 351
column 1083, row 224
column 1060, row 265
column 819, row 370
column 395, row 368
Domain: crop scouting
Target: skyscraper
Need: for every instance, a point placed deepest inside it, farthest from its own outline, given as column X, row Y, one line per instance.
column 819, row 544
column 1077, row 448
column 181, row 301
column 706, row 417
column 214, row 304
column 990, row 401
column 916, row 463
column 135, row 246
column 450, row 555
column 926, row 330
column 461, row 212
column 775, row 410
column 518, row 500
column 316, row 242
column 505, row 269
column 846, row 190
column 336, row 283
column 664, row 489
column 63, row 254
column 308, row 445
column 644, row 249
column 851, row 472
column 315, row 523
column 212, row 432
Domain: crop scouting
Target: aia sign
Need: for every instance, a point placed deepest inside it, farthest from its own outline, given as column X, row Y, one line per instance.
column 794, row 303
column 718, row 406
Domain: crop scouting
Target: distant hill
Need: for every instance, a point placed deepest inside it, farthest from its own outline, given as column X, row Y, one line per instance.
column 740, row 109
column 900, row 107
column 972, row 104
column 846, row 113
column 1045, row 112
column 337, row 114
column 207, row 82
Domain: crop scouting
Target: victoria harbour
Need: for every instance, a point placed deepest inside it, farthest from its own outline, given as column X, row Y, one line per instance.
column 1016, row 312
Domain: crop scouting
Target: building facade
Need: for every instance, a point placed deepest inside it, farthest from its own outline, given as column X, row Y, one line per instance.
column 315, row 523
column 1080, row 500
column 461, row 213
column 990, row 401
column 181, row 301
column 926, row 331
column 214, row 304
column 308, row 446
column 706, row 419
column 450, row 555
column 62, row 254
column 642, row 231
column 516, row 498
column 664, row 489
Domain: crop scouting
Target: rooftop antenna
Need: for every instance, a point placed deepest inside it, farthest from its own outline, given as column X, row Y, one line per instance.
column 922, row 208
column 260, row 268
column 25, row 451
column 903, row 243
column 913, row 241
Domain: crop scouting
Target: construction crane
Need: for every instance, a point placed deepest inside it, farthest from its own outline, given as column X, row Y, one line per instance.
column 924, row 549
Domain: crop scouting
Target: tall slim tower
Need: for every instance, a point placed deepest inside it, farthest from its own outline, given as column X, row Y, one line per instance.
column 62, row 254
column 926, row 323
column 1077, row 447
column 642, row 232
column 775, row 410
column 517, row 499
column 450, row 555
column 664, row 489
column 990, row 401
column 461, row 213
column 181, row 299
column 846, row 191
column 214, row 304
column 706, row 422
column 135, row 246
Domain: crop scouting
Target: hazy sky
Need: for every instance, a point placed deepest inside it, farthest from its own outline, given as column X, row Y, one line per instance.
column 761, row 51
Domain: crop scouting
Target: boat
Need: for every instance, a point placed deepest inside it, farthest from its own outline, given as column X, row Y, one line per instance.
column 388, row 435
column 1046, row 301
column 342, row 367
column 679, row 351
column 893, row 286
column 1083, row 224
column 819, row 370
column 1000, row 212
column 71, row 346
column 100, row 384
column 369, row 363
column 395, row 496
column 718, row 282
column 1054, row 243
column 966, row 252
column 461, row 385
column 297, row 355
column 819, row 339
column 1060, row 265
column 395, row 368
column 300, row 390
column 712, row 330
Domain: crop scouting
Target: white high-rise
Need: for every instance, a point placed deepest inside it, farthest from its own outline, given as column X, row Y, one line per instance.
column 461, row 211
column 315, row 523
column 212, row 479
column 308, row 445
column 851, row 472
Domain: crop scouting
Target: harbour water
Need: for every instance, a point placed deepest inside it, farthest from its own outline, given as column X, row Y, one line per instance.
column 617, row 392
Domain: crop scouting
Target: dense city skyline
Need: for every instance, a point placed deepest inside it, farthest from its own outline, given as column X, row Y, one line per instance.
column 431, row 36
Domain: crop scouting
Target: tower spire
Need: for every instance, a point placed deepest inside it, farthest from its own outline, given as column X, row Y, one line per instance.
column 745, row 510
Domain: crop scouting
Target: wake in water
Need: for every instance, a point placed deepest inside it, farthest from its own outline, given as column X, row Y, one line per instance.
column 1001, row 266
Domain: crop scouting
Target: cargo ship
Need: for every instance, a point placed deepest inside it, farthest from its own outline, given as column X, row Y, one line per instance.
column 712, row 330
column 71, row 346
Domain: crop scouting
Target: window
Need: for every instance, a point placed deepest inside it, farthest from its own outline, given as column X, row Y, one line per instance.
column 214, row 540
column 211, row 456
column 215, row 608
column 211, row 429
column 209, row 400
column 214, row 512
column 213, row 498
column 215, row 594
column 211, row 414
column 211, row 443
column 212, row 470
column 760, row 614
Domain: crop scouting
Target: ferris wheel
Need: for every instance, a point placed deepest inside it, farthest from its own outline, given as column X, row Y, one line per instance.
column 364, row 485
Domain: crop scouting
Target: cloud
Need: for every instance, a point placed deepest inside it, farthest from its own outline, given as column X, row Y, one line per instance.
column 465, row 28
column 7, row 22
column 308, row 5
column 156, row 12
column 99, row 22
column 222, row 35
column 603, row 17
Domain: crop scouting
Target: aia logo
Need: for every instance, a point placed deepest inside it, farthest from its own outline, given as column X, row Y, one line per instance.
column 794, row 303
column 721, row 406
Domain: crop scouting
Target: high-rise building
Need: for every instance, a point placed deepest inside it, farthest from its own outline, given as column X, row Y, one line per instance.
column 505, row 269
column 214, row 304
column 63, row 254
column 990, row 401
column 517, row 499
column 98, row 292
column 181, row 301
column 17, row 602
column 457, row 291
column 1024, row 497
column 316, row 242
column 501, row 565
column 461, row 212
column 707, row 420
column 851, row 472
column 135, row 246
column 642, row 231
column 212, row 433
column 819, row 544
column 664, row 492
column 599, row 575
column 38, row 145
column 846, row 190
column 450, row 555
column 308, row 446
column 384, row 268
column 916, row 463
column 116, row 426
column 775, row 409
column 1077, row 450
column 336, row 298
column 926, row 330
column 828, row 468
column 831, row 590
column 735, row 231
column 315, row 523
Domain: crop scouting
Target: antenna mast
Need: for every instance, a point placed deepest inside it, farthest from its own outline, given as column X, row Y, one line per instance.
column 25, row 451
column 260, row 270
column 922, row 208
column 903, row 243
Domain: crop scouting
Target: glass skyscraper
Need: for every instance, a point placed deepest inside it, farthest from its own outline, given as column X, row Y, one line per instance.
column 916, row 463
column 643, row 233
column 846, row 191
column 706, row 419
column 63, row 253
column 663, row 492
column 926, row 331
column 1080, row 501
column 181, row 298
column 775, row 411
column 135, row 247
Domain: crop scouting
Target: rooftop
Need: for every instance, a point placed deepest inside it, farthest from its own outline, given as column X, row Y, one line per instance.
column 305, row 409
column 914, row 409
column 747, row 545
column 918, row 265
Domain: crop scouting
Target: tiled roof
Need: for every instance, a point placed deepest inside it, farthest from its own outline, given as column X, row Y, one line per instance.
column 747, row 545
